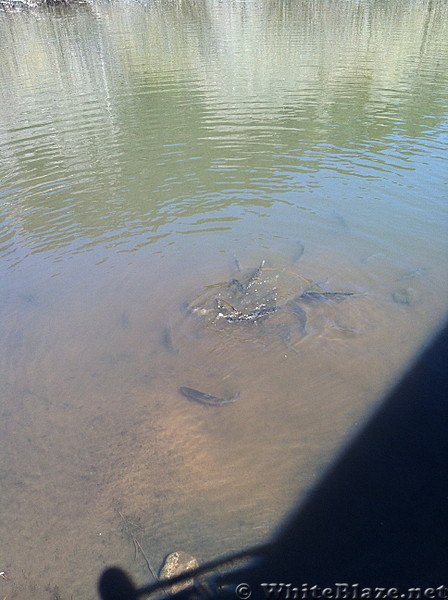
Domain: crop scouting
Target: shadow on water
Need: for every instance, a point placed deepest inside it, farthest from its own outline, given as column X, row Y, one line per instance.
column 375, row 522
column 153, row 470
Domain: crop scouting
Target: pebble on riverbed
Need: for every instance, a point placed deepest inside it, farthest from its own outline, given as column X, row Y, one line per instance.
column 406, row 296
column 177, row 563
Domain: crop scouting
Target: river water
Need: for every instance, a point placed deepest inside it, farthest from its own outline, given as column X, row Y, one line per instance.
column 151, row 152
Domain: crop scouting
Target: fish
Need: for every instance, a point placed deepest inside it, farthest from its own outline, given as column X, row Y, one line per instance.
column 232, row 315
column 236, row 286
column 167, row 340
column 298, row 312
column 251, row 316
column 299, row 250
column 206, row 399
column 321, row 295
column 255, row 275
column 237, row 264
column 225, row 307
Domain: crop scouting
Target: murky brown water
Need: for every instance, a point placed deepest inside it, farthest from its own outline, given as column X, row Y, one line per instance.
column 148, row 151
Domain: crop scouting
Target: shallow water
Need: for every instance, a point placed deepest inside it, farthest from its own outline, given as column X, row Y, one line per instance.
column 149, row 152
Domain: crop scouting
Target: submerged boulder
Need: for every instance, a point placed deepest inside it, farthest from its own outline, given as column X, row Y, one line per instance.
column 177, row 563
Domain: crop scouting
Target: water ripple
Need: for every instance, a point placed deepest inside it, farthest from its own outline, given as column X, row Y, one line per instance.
column 186, row 138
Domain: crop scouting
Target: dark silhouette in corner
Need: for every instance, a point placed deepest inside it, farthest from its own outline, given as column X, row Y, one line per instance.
column 378, row 519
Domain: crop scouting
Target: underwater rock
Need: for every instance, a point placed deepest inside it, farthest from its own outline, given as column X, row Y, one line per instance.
column 177, row 563
column 406, row 296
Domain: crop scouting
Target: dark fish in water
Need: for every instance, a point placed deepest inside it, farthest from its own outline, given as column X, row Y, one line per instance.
column 167, row 340
column 237, row 264
column 316, row 295
column 251, row 316
column 225, row 307
column 298, row 312
column 206, row 399
column 255, row 275
column 299, row 250
column 232, row 315
column 338, row 223
column 236, row 286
